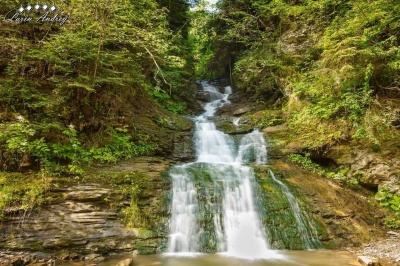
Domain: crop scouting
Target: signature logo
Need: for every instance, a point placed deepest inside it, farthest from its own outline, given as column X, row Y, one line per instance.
column 37, row 13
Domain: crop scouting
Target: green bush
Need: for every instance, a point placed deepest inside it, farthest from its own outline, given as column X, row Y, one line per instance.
column 20, row 193
column 392, row 203
column 23, row 141
column 340, row 173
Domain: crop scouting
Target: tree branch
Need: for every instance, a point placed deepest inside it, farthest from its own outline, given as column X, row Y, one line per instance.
column 159, row 70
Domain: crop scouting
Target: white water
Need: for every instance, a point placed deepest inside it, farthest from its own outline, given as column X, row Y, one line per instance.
column 236, row 121
column 183, row 225
column 238, row 228
column 252, row 148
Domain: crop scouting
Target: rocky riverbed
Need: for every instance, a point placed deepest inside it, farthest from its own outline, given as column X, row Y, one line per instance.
column 386, row 249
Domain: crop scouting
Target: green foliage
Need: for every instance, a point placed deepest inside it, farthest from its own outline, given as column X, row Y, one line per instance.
column 132, row 214
column 392, row 222
column 266, row 118
column 391, row 202
column 200, row 38
column 340, row 174
column 167, row 101
column 332, row 60
column 69, row 94
column 129, row 187
column 21, row 193
column 23, row 142
column 387, row 199
column 306, row 163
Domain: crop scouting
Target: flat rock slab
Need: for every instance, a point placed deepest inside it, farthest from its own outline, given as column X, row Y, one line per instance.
column 241, row 111
column 82, row 223
column 368, row 261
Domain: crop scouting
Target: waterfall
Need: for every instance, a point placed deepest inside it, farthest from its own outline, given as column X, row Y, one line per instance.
column 183, row 225
column 213, row 206
column 252, row 148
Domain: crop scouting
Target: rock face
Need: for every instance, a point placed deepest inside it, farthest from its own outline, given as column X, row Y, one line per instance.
column 79, row 224
column 91, row 216
column 372, row 169
column 343, row 216
column 183, row 147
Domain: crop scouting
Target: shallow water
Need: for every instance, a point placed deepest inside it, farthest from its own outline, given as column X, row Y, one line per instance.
column 291, row 258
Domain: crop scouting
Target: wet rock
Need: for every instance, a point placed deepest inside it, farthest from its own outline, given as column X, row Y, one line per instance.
column 202, row 96
column 241, row 111
column 183, row 147
column 342, row 154
column 92, row 256
column 17, row 261
column 226, row 125
column 125, row 262
column 368, row 261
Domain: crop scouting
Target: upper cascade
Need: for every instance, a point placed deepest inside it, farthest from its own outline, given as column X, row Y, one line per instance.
column 252, row 148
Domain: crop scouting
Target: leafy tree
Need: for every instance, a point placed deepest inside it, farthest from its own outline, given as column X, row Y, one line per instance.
column 84, row 76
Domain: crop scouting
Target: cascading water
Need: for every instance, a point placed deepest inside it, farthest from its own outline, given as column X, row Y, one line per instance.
column 221, row 217
column 307, row 231
column 184, row 228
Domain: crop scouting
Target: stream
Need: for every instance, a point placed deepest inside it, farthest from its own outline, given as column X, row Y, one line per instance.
column 292, row 258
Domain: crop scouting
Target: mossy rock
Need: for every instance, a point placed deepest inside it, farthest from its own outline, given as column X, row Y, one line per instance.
column 226, row 125
column 145, row 233
column 266, row 118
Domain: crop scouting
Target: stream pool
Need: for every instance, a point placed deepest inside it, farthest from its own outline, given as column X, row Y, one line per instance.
column 291, row 258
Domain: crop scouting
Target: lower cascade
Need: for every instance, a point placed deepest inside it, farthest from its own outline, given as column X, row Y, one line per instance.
column 213, row 199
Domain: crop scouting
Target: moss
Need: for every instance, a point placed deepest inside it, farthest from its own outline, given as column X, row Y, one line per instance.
column 22, row 192
column 146, row 247
column 278, row 217
column 266, row 118
column 145, row 233
column 181, row 123
column 376, row 147
column 228, row 127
